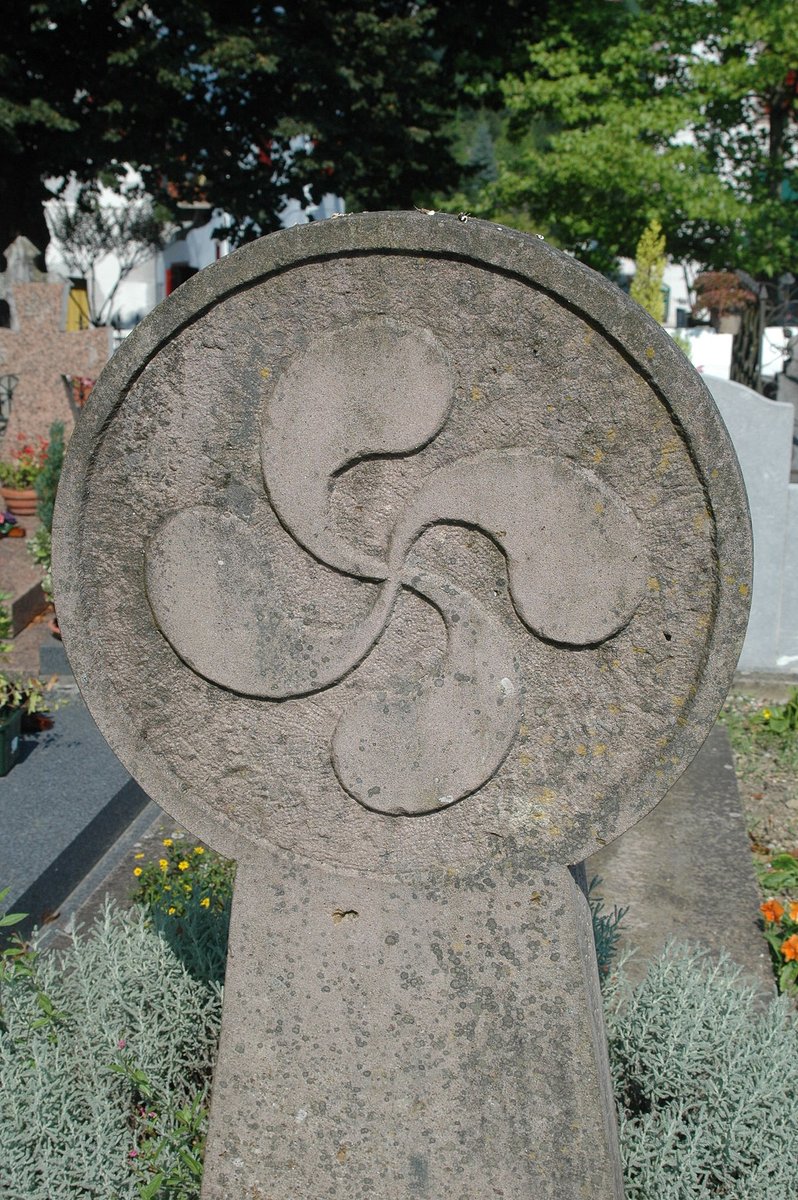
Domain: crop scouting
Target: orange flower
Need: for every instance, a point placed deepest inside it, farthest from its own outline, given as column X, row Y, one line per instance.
column 789, row 948
column 772, row 910
column 794, row 911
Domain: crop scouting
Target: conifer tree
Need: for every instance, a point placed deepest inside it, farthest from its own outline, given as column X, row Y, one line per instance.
column 646, row 286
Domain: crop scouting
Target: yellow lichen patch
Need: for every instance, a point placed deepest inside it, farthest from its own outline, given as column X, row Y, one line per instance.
column 265, row 372
column 730, row 580
column 677, row 701
column 653, row 584
column 524, row 760
column 614, row 709
column 476, row 393
column 639, row 650
column 662, row 741
column 589, row 337
column 611, row 435
column 700, row 520
column 598, row 455
column 713, row 474
column 547, row 739
column 523, row 729
column 668, row 451
column 598, row 508
column 581, row 750
column 551, row 408
column 535, row 898
column 599, row 749
column 702, row 621
column 681, row 721
column 650, row 352
column 341, row 1154
column 659, row 773
column 616, row 662
column 743, row 589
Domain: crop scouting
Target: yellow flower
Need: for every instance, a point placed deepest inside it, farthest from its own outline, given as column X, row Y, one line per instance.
column 171, row 910
column 766, row 714
column 137, row 870
column 167, row 887
column 168, row 842
column 138, row 855
column 205, row 901
column 163, row 864
column 199, row 849
column 182, row 865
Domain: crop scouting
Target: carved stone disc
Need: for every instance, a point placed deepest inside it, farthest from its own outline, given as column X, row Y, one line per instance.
column 395, row 541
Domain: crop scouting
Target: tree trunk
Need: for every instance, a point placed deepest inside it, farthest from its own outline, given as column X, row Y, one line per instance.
column 747, row 347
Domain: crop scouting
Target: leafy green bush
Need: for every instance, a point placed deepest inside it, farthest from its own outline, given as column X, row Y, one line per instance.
column 6, row 625
column 48, row 477
column 706, row 1081
column 106, row 1053
column 40, row 548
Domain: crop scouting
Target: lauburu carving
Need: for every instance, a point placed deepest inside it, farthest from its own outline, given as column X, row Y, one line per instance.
column 302, row 620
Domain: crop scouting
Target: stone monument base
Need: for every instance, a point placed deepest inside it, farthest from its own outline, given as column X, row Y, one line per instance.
column 437, row 1038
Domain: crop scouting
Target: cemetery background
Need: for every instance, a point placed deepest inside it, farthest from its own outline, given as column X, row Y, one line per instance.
column 774, row 522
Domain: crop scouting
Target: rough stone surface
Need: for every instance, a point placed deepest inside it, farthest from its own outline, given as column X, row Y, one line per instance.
column 406, row 561
column 685, row 872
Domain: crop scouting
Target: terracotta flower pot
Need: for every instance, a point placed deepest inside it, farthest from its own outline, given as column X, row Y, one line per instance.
column 20, row 502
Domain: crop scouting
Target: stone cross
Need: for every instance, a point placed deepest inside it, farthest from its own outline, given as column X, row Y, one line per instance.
column 405, row 560
column 39, row 350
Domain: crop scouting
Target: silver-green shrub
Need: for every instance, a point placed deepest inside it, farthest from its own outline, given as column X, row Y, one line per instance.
column 101, row 1045
column 706, row 1081
column 606, row 928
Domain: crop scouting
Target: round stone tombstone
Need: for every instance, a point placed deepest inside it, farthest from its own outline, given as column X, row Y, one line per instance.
column 394, row 550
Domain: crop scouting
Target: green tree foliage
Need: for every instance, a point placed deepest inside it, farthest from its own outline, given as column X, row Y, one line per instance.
column 650, row 261
column 680, row 110
column 50, row 474
column 204, row 97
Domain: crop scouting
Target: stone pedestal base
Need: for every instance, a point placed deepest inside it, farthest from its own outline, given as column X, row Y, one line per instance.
column 384, row 1040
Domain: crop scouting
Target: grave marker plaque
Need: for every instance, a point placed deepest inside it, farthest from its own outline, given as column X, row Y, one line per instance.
column 406, row 561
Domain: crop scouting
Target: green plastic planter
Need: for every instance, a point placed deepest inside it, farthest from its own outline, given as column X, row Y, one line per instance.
column 10, row 743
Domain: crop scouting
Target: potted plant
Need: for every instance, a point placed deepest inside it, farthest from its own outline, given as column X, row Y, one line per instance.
column 40, row 544
column 18, row 475
column 9, row 526
column 23, row 703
